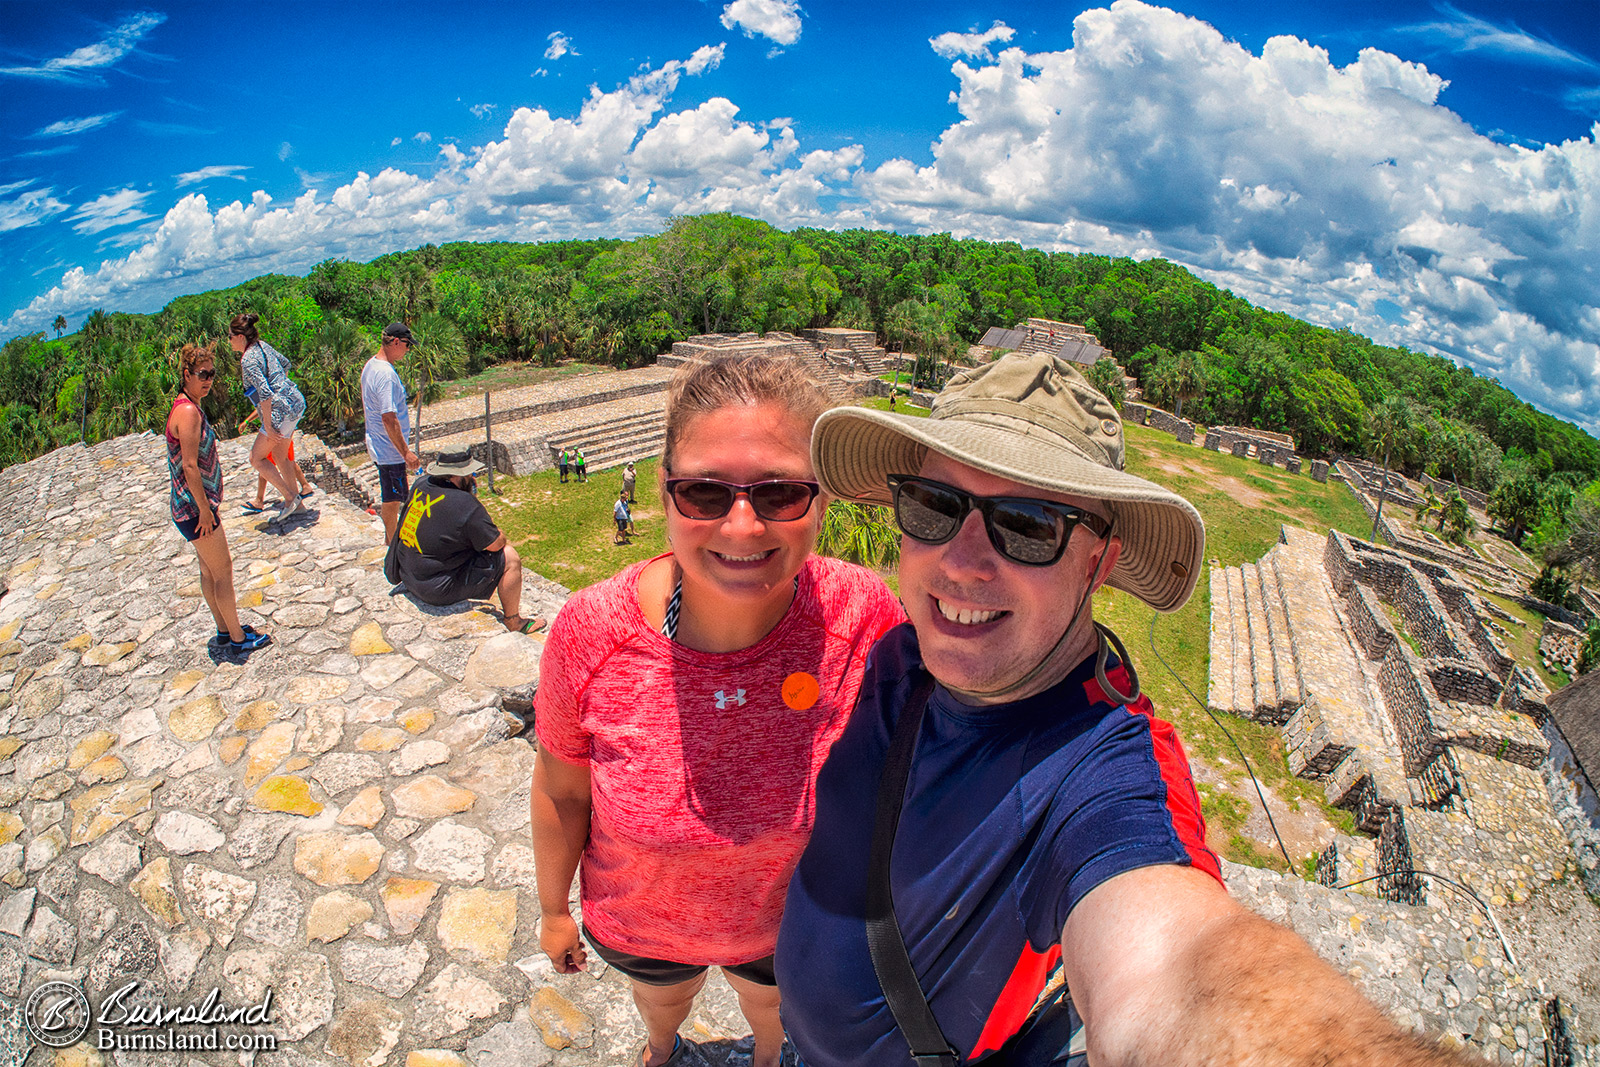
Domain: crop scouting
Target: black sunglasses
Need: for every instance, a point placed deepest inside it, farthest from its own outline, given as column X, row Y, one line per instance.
column 205, row 375
column 1022, row 529
column 778, row 500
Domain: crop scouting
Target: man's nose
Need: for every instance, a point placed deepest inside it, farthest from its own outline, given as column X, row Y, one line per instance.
column 969, row 552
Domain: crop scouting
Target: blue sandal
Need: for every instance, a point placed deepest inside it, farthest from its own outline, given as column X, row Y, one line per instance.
column 251, row 642
column 254, row 508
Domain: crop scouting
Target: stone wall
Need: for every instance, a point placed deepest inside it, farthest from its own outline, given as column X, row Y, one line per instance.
column 1525, row 692
column 1455, row 679
column 1410, row 701
column 1394, row 855
column 1273, row 448
column 1371, row 622
column 1473, row 498
column 1426, row 619
column 1158, row 419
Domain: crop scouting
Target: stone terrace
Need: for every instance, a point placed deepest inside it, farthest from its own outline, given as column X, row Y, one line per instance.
column 343, row 816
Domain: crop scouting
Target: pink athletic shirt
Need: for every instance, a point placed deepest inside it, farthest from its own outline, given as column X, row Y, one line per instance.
column 703, row 766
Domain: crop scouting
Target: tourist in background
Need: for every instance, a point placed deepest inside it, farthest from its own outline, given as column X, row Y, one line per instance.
column 196, row 483
column 621, row 516
column 259, row 503
column 279, row 403
column 388, row 422
column 580, row 465
column 691, row 699
column 629, row 477
column 562, row 462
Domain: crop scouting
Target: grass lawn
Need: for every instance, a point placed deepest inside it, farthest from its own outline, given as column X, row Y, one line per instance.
column 564, row 532
column 1524, row 642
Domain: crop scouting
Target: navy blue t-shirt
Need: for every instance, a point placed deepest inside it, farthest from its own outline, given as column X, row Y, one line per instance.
column 1012, row 814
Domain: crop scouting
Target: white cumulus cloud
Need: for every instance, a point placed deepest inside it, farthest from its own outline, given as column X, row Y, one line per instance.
column 1302, row 185
column 482, row 110
column 976, row 45
column 113, row 209
column 71, row 127
column 560, row 45
column 776, row 20
column 422, row 137
column 205, row 174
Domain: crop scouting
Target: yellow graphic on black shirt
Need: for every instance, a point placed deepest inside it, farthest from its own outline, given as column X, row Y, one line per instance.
column 421, row 506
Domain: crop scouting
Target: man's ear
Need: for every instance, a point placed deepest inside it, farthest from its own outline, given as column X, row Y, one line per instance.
column 1111, row 549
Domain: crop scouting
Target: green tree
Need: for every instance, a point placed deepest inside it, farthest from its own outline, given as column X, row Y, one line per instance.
column 1385, row 424
column 60, row 325
column 1517, row 499
column 1107, row 377
column 860, row 533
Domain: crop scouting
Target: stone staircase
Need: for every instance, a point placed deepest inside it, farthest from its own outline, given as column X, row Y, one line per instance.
column 1420, row 739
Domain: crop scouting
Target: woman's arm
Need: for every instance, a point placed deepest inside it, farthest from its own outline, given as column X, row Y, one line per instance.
column 186, row 420
column 559, row 810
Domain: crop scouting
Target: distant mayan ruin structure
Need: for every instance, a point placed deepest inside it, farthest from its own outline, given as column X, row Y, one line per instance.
column 1389, row 679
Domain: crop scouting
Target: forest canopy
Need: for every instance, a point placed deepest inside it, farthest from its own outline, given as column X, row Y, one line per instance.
column 1194, row 347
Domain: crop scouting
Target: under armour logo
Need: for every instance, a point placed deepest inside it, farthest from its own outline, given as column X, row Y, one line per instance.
column 723, row 698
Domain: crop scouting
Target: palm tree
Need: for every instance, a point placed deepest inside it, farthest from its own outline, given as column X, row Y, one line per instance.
column 1384, row 425
column 438, row 356
column 860, row 533
column 1187, row 381
column 1455, row 521
column 330, row 369
column 60, row 325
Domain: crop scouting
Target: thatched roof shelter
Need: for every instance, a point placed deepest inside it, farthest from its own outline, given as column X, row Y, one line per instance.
column 1576, row 711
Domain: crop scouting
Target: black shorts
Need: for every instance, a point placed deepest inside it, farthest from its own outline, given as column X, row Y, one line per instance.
column 190, row 528
column 665, row 972
column 392, row 482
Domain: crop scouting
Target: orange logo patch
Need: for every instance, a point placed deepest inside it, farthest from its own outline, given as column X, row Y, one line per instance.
column 801, row 691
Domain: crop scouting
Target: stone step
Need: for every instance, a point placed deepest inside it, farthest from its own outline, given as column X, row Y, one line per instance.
column 1286, row 670
column 508, row 406
column 1263, row 676
column 1244, row 701
column 1219, row 688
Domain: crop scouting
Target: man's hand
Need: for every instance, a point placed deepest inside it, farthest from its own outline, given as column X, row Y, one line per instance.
column 413, row 461
column 558, row 938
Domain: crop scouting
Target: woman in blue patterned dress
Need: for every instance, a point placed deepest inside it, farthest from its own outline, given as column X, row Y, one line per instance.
column 266, row 382
column 196, row 475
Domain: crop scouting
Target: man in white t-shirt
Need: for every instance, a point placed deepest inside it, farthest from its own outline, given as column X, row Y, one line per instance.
column 383, row 404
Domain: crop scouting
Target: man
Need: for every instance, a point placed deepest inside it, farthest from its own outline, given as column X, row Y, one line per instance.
column 561, row 461
column 629, row 479
column 451, row 550
column 580, row 466
column 621, row 516
column 1048, row 813
column 388, row 421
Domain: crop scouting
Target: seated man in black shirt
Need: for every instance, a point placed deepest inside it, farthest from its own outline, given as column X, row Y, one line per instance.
column 448, row 549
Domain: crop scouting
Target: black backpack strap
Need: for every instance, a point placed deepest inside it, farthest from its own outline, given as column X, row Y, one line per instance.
column 890, row 960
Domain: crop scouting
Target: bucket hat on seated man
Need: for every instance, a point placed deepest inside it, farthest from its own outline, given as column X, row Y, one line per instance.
column 1031, row 418
column 456, row 464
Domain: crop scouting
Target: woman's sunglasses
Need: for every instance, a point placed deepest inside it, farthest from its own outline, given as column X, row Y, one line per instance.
column 1022, row 529
column 779, row 500
column 205, row 375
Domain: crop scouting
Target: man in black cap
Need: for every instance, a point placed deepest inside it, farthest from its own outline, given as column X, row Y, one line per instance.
column 388, row 421
column 449, row 549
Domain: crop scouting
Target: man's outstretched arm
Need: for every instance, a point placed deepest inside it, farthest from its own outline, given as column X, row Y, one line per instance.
column 1167, row 969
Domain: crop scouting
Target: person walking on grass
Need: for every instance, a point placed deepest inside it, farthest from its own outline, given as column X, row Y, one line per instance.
column 562, row 462
column 622, row 517
column 259, row 504
column 278, row 402
column 388, row 422
column 196, row 497
column 629, row 477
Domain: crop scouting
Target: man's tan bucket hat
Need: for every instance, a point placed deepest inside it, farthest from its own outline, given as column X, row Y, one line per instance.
column 1032, row 418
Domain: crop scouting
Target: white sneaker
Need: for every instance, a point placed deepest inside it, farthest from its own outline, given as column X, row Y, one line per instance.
column 288, row 508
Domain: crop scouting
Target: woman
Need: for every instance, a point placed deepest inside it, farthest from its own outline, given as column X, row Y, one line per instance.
column 197, row 493
column 266, row 382
column 258, row 504
column 685, row 706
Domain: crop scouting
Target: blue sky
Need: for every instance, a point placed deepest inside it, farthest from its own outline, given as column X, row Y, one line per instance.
column 1426, row 174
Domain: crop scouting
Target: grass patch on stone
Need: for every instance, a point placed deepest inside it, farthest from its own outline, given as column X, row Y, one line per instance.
column 1398, row 624
column 1524, row 641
